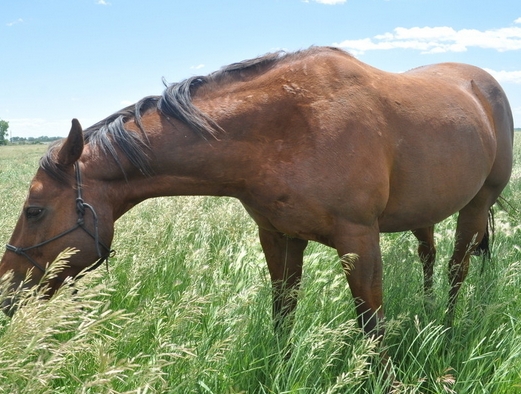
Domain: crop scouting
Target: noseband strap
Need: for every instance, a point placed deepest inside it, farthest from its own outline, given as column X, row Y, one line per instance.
column 81, row 208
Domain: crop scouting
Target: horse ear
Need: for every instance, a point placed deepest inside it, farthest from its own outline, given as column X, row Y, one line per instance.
column 72, row 148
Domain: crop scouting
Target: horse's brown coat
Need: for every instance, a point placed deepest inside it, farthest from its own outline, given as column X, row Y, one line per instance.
column 317, row 146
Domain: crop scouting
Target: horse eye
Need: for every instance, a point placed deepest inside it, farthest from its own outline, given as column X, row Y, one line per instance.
column 33, row 212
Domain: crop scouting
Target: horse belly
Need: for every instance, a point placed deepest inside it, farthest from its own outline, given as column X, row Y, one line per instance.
column 433, row 190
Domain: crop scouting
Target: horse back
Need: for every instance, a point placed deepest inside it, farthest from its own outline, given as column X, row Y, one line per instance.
column 333, row 138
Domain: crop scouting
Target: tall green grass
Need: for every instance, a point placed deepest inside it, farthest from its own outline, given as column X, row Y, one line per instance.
column 185, row 307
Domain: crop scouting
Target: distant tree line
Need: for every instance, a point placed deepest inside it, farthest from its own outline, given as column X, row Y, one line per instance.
column 33, row 140
column 4, row 127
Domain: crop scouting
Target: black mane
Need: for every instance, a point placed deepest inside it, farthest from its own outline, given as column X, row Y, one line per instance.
column 110, row 134
column 176, row 100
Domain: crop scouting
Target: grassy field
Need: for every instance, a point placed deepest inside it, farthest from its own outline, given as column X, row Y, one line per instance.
column 184, row 307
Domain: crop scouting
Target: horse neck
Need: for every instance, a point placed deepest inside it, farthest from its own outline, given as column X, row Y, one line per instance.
column 182, row 163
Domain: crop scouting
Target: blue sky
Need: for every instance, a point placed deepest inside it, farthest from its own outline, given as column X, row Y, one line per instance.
column 89, row 58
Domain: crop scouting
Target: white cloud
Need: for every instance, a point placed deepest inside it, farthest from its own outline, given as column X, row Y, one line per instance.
column 506, row 76
column 518, row 20
column 19, row 20
column 198, row 67
column 438, row 40
column 102, row 2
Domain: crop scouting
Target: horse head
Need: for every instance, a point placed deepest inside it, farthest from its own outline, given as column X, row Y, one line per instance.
column 63, row 209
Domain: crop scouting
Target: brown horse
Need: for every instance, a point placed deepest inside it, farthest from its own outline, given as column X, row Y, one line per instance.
column 315, row 144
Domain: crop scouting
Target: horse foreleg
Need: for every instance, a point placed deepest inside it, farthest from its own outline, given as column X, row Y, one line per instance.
column 427, row 254
column 284, row 256
column 359, row 249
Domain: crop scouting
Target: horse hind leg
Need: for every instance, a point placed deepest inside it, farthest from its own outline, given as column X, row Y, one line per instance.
column 471, row 238
column 427, row 254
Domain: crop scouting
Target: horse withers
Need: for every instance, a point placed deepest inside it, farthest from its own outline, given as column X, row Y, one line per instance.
column 317, row 146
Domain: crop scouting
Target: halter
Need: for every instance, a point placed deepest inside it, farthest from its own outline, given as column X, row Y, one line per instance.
column 81, row 208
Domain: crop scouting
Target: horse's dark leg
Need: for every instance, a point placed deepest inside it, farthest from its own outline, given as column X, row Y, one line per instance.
column 427, row 253
column 284, row 256
column 359, row 249
column 471, row 227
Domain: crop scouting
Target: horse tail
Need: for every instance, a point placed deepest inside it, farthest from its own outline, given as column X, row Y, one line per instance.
column 483, row 248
